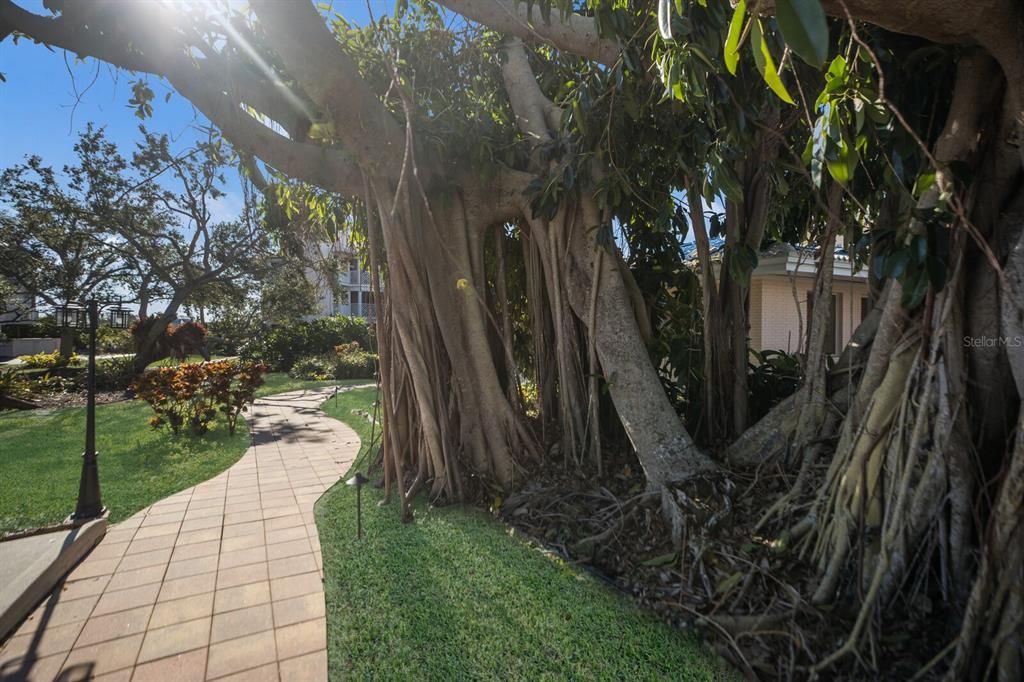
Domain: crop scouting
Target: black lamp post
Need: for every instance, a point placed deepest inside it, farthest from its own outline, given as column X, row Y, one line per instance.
column 90, row 505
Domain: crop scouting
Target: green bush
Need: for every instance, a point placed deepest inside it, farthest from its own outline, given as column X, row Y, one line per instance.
column 114, row 340
column 360, row 365
column 312, row 368
column 14, row 385
column 282, row 346
column 115, row 374
column 48, row 360
column 773, row 375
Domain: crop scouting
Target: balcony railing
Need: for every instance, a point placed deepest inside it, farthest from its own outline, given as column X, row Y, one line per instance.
column 367, row 310
column 355, row 278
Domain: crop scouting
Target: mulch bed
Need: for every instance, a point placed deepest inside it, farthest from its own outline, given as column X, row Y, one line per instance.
column 735, row 585
column 78, row 398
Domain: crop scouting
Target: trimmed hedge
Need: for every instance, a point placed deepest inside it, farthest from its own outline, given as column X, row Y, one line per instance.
column 282, row 346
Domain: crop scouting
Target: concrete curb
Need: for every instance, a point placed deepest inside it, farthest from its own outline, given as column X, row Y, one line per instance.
column 32, row 566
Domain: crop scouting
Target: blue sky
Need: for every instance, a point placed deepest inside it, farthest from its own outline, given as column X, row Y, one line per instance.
column 39, row 115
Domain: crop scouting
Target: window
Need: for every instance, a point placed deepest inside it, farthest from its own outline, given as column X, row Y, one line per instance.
column 865, row 307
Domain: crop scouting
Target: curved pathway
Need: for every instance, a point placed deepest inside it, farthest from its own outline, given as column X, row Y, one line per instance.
column 222, row 581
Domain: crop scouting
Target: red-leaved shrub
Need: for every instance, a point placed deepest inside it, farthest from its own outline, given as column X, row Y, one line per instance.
column 192, row 395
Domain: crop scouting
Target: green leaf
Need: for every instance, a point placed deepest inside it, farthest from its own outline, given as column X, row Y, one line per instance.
column 728, row 584
column 732, row 40
column 728, row 183
column 742, row 261
column 660, row 560
column 924, row 183
column 577, row 114
column 765, row 63
column 804, row 28
column 842, row 168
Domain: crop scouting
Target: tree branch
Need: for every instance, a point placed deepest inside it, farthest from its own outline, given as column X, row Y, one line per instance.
column 201, row 82
column 311, row 54
column 536, row 116
column 576, row 35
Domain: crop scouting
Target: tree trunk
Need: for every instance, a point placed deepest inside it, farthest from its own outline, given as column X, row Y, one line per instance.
column 147, row 346
column 143, row 298
column 67, row 342
column 664, row 448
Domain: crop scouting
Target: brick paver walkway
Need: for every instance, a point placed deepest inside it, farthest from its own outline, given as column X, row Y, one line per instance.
column 221, row 581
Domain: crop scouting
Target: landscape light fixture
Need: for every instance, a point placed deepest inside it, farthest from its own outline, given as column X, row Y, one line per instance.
column 90, row 504
column 358, row 481
column 118, row 317
column 72, row 315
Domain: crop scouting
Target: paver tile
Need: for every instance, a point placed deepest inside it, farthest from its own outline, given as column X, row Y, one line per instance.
column 175, row 639
column 295, row 586
column 242, row 575
column 135, row 577
column 308, row 667
column 181, row 610
column 298, row 609
column 301, row 638
column 242, row 622
column 122, row 600
column 187, row 667
column 185, row 587
column 99, row 659
column 242, row 596
column 242, row 654
column 112, row 626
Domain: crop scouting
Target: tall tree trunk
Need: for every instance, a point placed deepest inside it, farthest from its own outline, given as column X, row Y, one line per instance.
column 664, row 448
column 143, row 298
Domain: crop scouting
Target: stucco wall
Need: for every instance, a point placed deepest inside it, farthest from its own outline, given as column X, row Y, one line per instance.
column 12, row 348
column 776, row 323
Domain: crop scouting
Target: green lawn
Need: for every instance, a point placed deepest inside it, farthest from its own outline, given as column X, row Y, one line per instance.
column 40, row 458
column 456, row 596
column 40, row 461
column 280, row 382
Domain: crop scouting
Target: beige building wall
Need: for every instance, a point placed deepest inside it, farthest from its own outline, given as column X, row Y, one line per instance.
column 778, row 319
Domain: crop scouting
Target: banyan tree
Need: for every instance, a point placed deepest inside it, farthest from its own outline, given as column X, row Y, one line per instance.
column 493, row 147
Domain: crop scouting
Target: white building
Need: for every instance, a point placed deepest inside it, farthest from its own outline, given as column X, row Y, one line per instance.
column 18, row 306
column 354, row 292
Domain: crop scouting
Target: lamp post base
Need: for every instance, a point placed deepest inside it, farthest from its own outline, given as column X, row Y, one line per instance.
column 89, row 505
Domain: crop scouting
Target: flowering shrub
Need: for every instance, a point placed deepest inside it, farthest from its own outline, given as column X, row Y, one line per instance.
column 193, row 395
column 47, row 360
